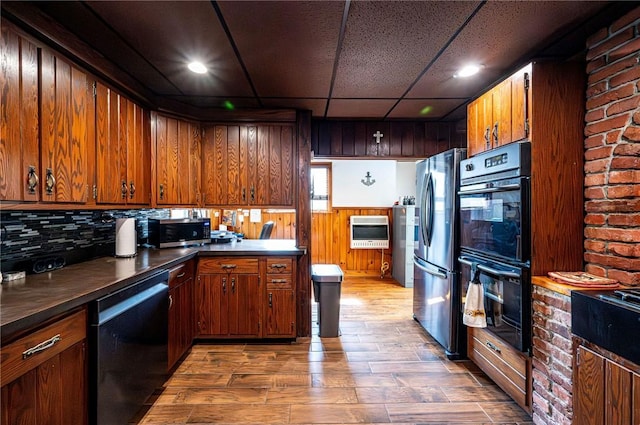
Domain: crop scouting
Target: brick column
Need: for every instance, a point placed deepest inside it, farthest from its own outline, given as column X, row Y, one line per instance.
column 552, row 357
column 612, row 151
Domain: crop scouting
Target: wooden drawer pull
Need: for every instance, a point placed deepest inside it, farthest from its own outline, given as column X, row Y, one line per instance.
column 278, row 280
column 278, row 266
column 228, row 266
column 493, row 347
column 44, row 345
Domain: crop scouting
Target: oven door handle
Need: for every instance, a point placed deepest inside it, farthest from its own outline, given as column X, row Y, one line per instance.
column 490, row 189
column 487, row 269
column 498, row 272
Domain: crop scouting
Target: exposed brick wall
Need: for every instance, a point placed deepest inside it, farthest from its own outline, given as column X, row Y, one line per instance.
column 612, row 151
column 552, row 357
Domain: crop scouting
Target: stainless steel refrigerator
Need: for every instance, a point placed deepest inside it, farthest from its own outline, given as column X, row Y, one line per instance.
column 436, row 287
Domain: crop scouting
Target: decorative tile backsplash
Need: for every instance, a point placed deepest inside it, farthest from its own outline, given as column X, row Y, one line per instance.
column 28, row 236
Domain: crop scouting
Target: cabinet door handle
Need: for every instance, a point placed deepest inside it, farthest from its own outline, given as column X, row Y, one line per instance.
column 224, row 285
column 233, row 285
column 495, row 133
column 132, row 189
column 228, row 266
column 32, row 179
column 170, row 302
column 124, row 189
column 278, row 266
column 253, row 194
column 244, row 194
column 44, row 345
column 50, row 182
column 487, row 137
column 180, row 275
column 270, row 300
column 493, row 347
column 161, row 192
column 278, row 280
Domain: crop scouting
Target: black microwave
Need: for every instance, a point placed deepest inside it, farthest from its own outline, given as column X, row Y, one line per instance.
column 176, row 232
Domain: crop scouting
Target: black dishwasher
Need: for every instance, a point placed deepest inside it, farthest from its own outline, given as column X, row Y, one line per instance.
column 128, row 349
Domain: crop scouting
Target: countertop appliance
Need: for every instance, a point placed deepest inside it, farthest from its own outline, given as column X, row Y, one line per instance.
column 610, row 319
column 495, row 237
column 128, row 335
column 405, row 233
column 436, row 288
column 176, row 232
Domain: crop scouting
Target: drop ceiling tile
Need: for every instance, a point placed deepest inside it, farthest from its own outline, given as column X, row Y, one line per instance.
column 316, row 106
column 288, row 47
column 425, row 108
column 81, row 21
column 359, row 108
column 171, row 34
column 217, row 102
column 500, row 35
column 388, row 44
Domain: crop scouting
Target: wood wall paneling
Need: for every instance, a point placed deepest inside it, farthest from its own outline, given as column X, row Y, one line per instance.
column 401, row 139
column 331, row 240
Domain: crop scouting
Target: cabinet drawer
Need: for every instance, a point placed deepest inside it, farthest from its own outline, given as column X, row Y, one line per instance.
column 507, row 367
column 228, row 265
column 30, row 351
column 279, row 265
column 279, row 281
column 181, row 273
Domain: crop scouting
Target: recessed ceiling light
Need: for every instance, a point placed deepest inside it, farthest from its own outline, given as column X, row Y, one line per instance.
column 197, row 67
column 467, row 71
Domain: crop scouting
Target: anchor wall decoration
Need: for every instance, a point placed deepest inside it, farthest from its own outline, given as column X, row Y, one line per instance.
column 369, row 180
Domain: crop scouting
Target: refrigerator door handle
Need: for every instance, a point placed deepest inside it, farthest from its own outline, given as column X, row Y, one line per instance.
column 429, row 201
column 430, row 271
column 423, row 211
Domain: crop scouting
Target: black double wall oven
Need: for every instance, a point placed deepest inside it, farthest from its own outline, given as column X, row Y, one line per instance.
column 495, row 237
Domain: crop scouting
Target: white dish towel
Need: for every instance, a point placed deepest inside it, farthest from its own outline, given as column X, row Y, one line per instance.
column 474, row 314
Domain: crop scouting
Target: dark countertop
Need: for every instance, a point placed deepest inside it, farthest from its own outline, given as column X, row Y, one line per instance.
column 38, row 297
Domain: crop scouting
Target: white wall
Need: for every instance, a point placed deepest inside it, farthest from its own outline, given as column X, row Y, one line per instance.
column 406, row 178
column 392, row 180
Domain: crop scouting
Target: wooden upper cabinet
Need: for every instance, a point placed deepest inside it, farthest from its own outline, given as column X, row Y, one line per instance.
column 176, row 145
column 248, row 165
column 66, row 122
column 520, row 103
column 19, row 158
column 123, row 150
column 499, row 116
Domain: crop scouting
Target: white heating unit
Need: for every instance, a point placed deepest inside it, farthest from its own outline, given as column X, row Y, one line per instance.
column 369, row 231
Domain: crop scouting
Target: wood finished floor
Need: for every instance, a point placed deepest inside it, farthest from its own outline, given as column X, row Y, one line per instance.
column 382, row 369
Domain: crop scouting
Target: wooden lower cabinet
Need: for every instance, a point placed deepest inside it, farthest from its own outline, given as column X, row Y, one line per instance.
column 229, row 298
column 280, row 308
column 181, row 311
column 233, row 301
column 506, row 366
column 48, row 386
column 605, row 392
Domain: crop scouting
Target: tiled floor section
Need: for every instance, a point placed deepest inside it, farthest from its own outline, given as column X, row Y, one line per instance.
column 383, row 369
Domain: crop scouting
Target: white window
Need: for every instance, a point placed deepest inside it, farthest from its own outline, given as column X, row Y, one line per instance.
column 320, row 184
